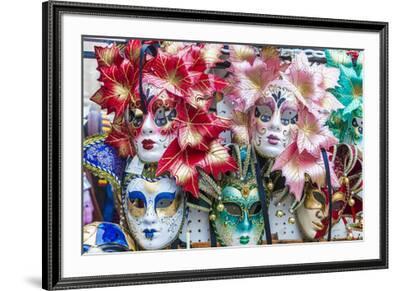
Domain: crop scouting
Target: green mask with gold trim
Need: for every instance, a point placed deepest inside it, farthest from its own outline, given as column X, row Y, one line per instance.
column 236, row 214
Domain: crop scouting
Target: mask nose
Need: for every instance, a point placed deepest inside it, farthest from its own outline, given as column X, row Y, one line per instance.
column 275, row 122
column 150, row 216
column 148, row 127
column 245, row 224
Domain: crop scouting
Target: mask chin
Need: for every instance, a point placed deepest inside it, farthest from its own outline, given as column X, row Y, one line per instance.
column 305, row 218
column 270, row 151
column 150, row 143
column 151, row 147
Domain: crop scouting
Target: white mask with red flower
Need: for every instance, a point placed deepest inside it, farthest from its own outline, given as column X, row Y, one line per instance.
column 169, row 123
column 153, row 131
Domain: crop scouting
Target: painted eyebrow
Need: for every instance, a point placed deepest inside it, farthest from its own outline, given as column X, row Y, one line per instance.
column 165, row 195
column 270, row 104
column 137, row 195
column 289, row 105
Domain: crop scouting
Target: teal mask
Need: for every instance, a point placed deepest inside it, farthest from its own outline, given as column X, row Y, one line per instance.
column 236, row 214
column 241, row 221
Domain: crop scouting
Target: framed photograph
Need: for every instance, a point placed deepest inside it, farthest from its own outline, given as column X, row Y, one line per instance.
column 184, row 145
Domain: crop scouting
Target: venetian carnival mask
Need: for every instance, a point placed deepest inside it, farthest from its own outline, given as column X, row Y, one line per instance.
column 152, row 131
column 313, row 213
column 272, row 119
column 240, row 221
column 154, row 211
column 237, row 213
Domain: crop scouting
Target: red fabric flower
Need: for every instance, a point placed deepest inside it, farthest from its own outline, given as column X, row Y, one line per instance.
column 196, row 127
column 120, row 87
column 184, row 74
column 169, row 72
column 183, row 163
column 119, row 138
column 107, row 56
column 132, row 51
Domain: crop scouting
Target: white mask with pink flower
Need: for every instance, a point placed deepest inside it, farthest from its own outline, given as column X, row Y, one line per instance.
column 273, row 120
column 288, row 105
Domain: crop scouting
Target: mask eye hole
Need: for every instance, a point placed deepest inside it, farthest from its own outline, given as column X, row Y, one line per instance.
column 337, row 205
column 289, row 116
column 137, row 202
column 233, row 208
column 263, row 112
column 338, row 201
column 159, row 117
column 314, row 200
column 255, row 208
column 137, row 207
column 164, row 115
column 167, row 204
column 164, row 203
column 171, row 114
column 134, row 117
column 319, row 197
column 358, row 124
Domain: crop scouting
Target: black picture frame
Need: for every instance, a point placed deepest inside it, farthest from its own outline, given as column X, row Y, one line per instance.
column 52, row 142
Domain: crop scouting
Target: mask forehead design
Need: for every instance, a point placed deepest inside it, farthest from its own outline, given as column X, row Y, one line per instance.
column 152, row 187
column 245, row 195
column 281, row 95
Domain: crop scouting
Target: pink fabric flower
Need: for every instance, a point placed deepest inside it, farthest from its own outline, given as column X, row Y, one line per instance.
column 310, row 84
column 251, row 81
column 304, row 156
column 241, row 53
column 312, row 135
column 295, row 164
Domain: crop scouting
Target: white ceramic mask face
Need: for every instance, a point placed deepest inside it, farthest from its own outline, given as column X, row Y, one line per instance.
column 153, row 130
column 272, row 120
column 154, row 211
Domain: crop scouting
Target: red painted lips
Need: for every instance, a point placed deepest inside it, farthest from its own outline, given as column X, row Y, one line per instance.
column 148, row 144
column 273, row 139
